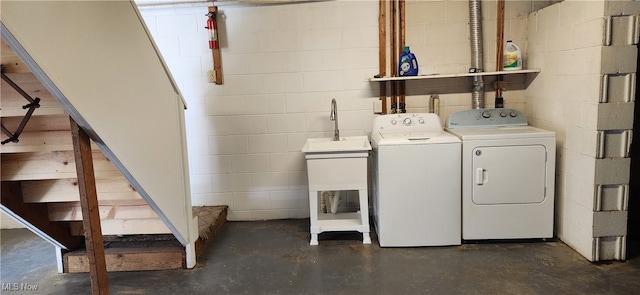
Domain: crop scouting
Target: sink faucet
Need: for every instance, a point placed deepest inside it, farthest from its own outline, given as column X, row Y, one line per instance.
column 334, row 117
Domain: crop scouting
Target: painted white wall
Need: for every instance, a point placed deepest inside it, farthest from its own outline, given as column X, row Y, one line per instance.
column 566, row 41
column 554, row 103
column 282, row 65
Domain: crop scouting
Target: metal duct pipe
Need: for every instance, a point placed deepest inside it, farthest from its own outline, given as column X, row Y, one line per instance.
column 475, row 25
column 477, row 93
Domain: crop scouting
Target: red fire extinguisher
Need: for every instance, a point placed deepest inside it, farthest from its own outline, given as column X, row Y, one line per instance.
column 212, row 27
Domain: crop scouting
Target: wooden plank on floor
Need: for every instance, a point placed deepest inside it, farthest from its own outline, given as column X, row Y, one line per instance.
column 130, row 259
column 89, row 202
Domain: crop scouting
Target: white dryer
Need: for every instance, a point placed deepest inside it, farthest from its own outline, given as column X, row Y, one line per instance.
column 416, row 181
column 508, row 175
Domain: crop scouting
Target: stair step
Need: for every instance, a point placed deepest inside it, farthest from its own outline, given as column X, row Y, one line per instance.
column 72, row 211
column 66, row 190
column 51, row 165
column 58, row 122
column 211, row 220
column 47, row 141
column 12, row 101
column 125, row 227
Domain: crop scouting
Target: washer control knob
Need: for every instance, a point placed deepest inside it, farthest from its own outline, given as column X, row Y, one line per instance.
column 513, row 114
column 503, row 114
column 486, row 114
column 393, row 122
column 421, row 121
column 406, row 121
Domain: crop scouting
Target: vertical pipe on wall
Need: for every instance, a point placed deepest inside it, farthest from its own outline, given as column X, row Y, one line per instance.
column 382, row 47
column 475, row 25
column 394, row 58
column 500, row 36
column 401, row 44
column 499, row 103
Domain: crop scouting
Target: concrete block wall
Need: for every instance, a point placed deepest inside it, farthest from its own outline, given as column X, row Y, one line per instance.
column 585, row 93
column 438, row 33
column 282, row 65
column 620, row 56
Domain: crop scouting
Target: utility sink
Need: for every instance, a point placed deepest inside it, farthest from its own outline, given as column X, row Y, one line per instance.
column 347, row 144
column 339, row 165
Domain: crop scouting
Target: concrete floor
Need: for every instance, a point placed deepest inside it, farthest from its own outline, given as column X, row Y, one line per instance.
column 273, row 257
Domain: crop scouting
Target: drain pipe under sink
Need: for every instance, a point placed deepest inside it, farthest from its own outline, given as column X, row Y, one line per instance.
column 330, row 200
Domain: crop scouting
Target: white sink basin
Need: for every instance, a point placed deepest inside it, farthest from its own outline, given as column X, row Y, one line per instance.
column 345, row 144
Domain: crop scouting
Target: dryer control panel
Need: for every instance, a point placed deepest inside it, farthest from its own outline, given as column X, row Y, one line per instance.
column 486, row 118
column 419, row 122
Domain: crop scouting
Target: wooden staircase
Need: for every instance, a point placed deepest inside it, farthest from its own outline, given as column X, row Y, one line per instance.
column 39, row 181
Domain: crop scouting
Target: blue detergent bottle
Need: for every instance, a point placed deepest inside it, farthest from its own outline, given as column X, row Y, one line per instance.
column 408, row 65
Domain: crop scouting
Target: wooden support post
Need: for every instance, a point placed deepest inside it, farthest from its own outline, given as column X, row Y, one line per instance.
column 382, row 45
column 90, row 213
column 217, row 59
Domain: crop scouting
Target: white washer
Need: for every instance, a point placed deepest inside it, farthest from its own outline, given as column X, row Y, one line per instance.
column 416, row 181
column 508, row 175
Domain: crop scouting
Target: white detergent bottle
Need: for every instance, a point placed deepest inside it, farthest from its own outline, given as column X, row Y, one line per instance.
column 512, row 57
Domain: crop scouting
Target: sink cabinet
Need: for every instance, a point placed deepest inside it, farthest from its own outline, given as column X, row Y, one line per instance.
column 338, row 171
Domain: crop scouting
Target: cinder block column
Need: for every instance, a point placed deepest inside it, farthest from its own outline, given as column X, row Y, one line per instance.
column 614, row 127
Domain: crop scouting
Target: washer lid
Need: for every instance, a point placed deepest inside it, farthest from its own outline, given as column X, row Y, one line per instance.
column 416, row 137
column 504, row 132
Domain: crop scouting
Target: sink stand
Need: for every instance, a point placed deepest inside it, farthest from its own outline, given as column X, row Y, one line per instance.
column 338, row 171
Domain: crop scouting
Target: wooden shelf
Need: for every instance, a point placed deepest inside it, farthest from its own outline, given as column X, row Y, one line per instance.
column 462, row 83
column 463, row 75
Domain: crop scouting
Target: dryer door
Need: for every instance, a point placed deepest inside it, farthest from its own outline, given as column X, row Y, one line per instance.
column 509, row 174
